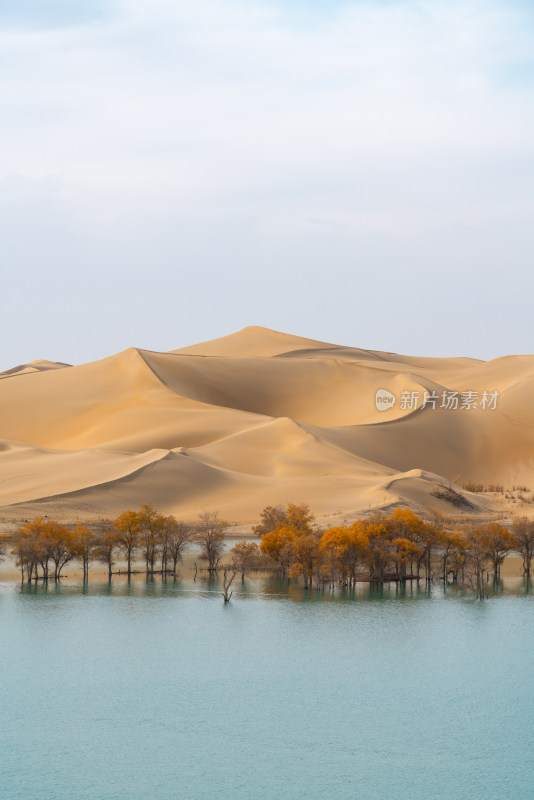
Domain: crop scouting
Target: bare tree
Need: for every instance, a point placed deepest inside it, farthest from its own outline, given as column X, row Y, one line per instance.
column 210, row 534
column 106, row 546
column 178, row 536
column 227, row 582
column 84, row 543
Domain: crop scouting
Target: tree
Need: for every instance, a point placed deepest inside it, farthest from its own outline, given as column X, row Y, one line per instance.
column 151, row 526
column 342, row 549
column 83, row 544
column 128, row 527
column 478, row 559
column 458, row 558
column 405, row 550
column 280, row 529
column 298, row 517
column 404, row 524
column 499, row 543
column 24, row 551
column 4, row 543
column 227, row 582
column 332, row 548
column 381, row 548
column 452, row 553
column 41, row 544
column 304, row 556
column 106, row 546
column 61, row 546
column 244, row 556
column 30, row 549
column 277, row 544
column 270, row 517
column 210, row 534
column 178, row 537
column 523, row 536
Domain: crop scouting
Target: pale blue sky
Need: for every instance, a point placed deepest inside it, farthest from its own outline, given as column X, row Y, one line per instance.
column 358, row 172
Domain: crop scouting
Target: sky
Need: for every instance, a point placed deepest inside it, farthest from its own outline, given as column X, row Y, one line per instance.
column 356, row 172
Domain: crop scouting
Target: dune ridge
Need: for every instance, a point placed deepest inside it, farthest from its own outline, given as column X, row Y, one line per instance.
column 257, row 417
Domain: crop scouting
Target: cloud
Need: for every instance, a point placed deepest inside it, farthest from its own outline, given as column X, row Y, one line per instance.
column 219, row 134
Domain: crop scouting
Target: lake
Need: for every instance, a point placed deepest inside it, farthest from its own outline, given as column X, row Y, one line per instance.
column 158, row 690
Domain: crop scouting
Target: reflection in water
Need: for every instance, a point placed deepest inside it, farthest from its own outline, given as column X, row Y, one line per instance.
column 269, row 586
column 153, row 688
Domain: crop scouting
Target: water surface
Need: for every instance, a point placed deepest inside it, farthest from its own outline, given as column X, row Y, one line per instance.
column 158, row 690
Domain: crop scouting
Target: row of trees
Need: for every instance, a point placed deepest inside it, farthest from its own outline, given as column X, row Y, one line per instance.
column 43, row 547
column 399, row 546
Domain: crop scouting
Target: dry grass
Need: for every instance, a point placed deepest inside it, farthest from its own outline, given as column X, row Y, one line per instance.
column 450, row 495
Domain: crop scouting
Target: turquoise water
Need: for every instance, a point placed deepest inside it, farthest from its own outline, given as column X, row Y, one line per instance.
column 163, row 692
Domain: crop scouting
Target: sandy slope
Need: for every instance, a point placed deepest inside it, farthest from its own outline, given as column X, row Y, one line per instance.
column 33, row 366
column 253, row 418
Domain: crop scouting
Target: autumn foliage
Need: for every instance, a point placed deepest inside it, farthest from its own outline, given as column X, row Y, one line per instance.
column 400, row 546
column 43, row 547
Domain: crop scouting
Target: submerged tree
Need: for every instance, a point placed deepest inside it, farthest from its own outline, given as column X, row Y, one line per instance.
column 210, row 535
column 84, row 542
column 499, row 542
column 128, row 528
column 523, row 535
column 24, row 551
column 244, row 557
column 151, row 525
column 453, row 546
column 42, row 544
column 342, row 550
column 478, row 559
column 278, row 545
column 305, row 555
column 178, row 536
column 227, row 582
column 4, row 544
column 107, row 545
column 381, row 547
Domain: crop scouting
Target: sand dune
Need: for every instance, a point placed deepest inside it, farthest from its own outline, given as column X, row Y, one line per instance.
column 257, row 417
column 33, row 366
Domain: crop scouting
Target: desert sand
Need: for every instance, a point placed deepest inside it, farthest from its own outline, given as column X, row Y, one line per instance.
column 255, row 418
